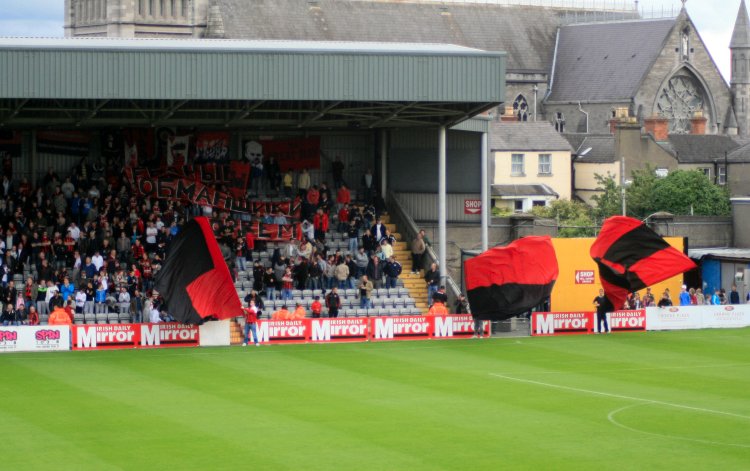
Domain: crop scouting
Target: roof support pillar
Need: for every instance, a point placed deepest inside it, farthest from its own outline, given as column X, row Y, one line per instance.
column 383, row 162
column 442, row 218
column 485, row 193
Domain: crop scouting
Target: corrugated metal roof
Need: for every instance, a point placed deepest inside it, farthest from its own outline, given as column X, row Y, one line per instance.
column 526, row 136
column 254, row 70
column 606, row 61
column 237, row 45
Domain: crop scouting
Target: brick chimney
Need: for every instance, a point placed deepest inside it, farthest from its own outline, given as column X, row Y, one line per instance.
column 698, row 123
column 658, row 127
column 509, row 115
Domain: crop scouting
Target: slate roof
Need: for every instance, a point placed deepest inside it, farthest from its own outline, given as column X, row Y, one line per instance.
column 602, row 147
column 526, row 136
column 606, row 61
column 526, row 33
column 693, row 149
column 522, row 190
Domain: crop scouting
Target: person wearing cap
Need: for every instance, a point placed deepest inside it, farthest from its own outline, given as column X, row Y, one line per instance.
column 316, row 307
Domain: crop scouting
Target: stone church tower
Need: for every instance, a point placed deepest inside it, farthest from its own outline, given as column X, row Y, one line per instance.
column 740, row 77
column 137, row 18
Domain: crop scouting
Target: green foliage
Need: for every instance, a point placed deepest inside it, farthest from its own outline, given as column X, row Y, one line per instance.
column 690, row 192
column 501, row 212
column 682, row 192
column 609, row 202
column 574, row 218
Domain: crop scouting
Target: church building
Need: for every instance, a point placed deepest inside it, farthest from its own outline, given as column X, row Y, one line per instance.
column 572, row 67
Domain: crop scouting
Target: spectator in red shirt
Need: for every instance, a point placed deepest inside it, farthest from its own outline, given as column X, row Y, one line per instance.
column 343, row 196
column 320, row 223
column 138, row 250
column 251, row 320
column 343, row 218
column 316, row 307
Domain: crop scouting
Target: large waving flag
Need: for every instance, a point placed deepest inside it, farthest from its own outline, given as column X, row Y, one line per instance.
column 194, row 279
column 507, row 281
column 631, row 257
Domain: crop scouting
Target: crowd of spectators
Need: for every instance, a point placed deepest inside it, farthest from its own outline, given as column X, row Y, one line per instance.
column 85, row 242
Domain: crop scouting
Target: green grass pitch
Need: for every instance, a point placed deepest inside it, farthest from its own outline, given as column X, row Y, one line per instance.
column 669, row 400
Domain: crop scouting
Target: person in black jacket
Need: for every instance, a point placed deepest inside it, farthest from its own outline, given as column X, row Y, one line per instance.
column 369, row 242
column 375, row 272
column 258, row 273
column 432, row 278
column 333, row 302
column 392, row 270
column 269, row 281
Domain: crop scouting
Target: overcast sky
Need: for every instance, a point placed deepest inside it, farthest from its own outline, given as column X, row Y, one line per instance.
column 713, row 18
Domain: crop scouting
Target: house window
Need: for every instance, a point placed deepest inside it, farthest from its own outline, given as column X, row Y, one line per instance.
column 545, row 164
column 706, row 171
column 518, row 206
column 560, row 122
column 537, row 203
column 516, row 165
column 521, row 108
column 722, row 175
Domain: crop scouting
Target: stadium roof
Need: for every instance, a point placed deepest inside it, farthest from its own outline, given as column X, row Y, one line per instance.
column 234, row 83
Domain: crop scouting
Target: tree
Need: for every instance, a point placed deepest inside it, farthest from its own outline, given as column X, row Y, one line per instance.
column 574, row 219
column 690, row 192
column 682, row 192
column 609, row 201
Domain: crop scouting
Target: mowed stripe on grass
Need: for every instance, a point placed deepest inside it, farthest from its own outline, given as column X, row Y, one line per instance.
column 461, row 404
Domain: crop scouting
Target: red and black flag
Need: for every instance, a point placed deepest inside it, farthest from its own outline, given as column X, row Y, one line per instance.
column 194, row 280
column 631, row 257
column 507, row 281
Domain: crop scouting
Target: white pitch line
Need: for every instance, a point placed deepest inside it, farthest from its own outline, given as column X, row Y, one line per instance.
column 620, row 396
column 611, row 418
column 545, row 373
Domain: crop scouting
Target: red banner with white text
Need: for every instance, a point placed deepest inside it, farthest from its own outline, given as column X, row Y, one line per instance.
column 109, row 336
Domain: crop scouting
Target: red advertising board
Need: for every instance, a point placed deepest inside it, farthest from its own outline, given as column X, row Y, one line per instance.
column 472, row 206
column 401, row 328
column 456, row 327
column 559, row 323
column 624, row 321
column 339, row 330
column 292, row 331
column 563, row 323
column 169, row 334
column 105, row 336
column 108, row 336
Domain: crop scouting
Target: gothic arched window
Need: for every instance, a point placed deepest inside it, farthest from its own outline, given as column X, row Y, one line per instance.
column 679, row 100
column 521, row 108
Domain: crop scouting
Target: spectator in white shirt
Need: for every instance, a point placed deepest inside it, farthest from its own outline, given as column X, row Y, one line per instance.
column 97, row 260
column 74, row 231
column 124, row 296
